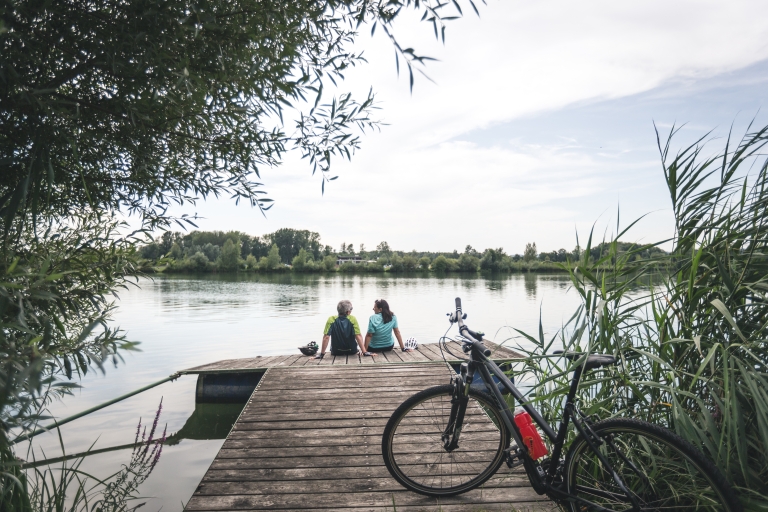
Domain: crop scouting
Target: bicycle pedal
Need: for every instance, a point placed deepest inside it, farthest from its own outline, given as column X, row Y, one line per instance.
column 513, row 458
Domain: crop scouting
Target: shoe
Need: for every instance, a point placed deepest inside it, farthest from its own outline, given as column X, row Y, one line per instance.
column 367, row 353
column 320, row 355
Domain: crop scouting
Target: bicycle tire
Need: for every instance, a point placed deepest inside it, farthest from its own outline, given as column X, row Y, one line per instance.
column 414, row 452
column 672, row 474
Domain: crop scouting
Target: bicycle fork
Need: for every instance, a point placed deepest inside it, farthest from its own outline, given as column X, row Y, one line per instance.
column 459, row 401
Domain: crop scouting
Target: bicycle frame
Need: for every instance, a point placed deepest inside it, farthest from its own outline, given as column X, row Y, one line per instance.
column 541, row 480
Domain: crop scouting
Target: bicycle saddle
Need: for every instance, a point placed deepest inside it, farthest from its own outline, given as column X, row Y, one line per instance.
column 593, row 361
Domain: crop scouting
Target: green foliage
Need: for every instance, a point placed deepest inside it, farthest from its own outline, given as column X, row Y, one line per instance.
column 271, row 262
column 329, row 263
column 495, row 260
column 139, row 104
column 424, row 263
column 440, row 264
column 55, row 299
column 410, row 263
column 229, row 259
column 291, row 241
column 530, row 252
column 468, row 263
column 303, row 262
column 251, row 262
column 692, row 339
column 110, row 108
column 396, row 263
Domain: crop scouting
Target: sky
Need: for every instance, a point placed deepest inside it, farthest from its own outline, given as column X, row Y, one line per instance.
column 537, row 124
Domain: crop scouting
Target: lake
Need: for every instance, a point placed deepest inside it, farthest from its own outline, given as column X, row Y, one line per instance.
column 184, row 321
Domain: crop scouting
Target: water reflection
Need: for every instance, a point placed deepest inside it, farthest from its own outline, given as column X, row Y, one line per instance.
column 208, row 421
column 531, row 282
column 185, row 321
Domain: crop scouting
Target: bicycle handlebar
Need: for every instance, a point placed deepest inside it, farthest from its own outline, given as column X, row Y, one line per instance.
column 464, row 330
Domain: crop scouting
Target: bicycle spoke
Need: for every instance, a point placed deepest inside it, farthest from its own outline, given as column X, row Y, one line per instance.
column 418, row 447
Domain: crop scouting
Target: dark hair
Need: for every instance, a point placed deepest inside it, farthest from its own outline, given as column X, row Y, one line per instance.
column 386, row 313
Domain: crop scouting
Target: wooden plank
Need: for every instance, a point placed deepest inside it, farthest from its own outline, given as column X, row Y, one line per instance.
column 216, row 500
column 350, row 382
column 431, row 351
column 309, row 432
column 426, row 352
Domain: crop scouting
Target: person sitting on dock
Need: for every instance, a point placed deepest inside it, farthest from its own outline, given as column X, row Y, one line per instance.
column 381, row 325
column 343, row 332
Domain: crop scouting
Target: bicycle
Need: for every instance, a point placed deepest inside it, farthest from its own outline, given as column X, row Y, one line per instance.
column 449, row 439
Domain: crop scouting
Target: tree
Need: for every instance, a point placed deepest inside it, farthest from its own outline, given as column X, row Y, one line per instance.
column 176, row 252
column 272, row 261
column 132, row 105
column 229, row 259
column 424, row 263
column 410, row 263
column 299, row 263
column 468, row 262
column 383, row 248
column 530, row 252
column 329, row 263
column 494, row 260
column 111, row 107
column 440, row 264
column 396, row 263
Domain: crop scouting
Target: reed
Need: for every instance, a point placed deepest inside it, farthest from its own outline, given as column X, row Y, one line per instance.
column 691, row 338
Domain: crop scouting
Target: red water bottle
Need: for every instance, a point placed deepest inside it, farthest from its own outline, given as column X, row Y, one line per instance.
column 531, row 437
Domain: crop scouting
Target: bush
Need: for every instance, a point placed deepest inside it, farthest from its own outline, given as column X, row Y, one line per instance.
column 329, row 263
column 410, row 263
column 396, row 263
column 271, row 262
column 424, row 263
column 494, row 260
column 440, row 264
column 468, row 263
column 229, row 259
column 198, row 262
column 299, row 263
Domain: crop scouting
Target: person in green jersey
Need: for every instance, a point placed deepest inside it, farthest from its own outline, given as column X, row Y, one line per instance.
column 343, row 332
column 381, row 325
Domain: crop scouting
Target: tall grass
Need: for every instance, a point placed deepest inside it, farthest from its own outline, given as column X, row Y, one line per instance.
column 61, row 485
column 689, row 327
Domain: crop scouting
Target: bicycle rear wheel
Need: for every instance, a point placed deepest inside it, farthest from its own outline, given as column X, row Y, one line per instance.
column 660, row 469
column 414, row 451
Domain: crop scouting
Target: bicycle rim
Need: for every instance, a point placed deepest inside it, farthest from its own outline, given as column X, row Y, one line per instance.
column 414, row 450
column 661, row 470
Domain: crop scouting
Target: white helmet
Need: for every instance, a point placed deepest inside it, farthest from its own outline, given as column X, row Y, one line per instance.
column 411, row 343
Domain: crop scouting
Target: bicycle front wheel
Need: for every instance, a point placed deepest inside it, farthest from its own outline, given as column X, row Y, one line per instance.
column 660, row 469
column 413, row 445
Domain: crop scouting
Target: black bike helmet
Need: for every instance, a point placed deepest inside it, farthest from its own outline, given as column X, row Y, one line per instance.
column 309, row 349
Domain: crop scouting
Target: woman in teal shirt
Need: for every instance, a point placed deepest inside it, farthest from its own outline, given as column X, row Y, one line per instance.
column 381, row 325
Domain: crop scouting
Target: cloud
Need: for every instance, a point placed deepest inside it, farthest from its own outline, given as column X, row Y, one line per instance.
column 539, row 121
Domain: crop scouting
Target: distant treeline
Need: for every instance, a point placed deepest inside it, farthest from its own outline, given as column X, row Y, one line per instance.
column 301, row 251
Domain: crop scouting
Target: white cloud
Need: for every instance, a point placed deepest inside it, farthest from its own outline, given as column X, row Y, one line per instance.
column 421, row 184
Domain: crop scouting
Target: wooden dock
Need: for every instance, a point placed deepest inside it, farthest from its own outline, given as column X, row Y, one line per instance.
column 427, row 353
column 309, row 438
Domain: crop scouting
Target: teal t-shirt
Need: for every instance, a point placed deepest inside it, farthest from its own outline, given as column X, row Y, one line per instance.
column 382, row 333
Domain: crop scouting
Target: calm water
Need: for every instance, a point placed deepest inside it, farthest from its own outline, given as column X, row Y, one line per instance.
column 183, row 322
